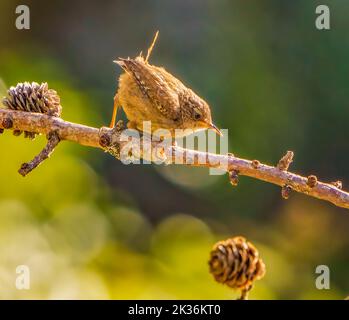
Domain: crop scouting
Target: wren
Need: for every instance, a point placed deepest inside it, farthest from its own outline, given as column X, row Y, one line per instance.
column 150, row 93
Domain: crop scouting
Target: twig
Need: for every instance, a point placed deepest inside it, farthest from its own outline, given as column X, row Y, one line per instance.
column 244, row 294
column 109, row 140
column 285, row 161
column 52, row 142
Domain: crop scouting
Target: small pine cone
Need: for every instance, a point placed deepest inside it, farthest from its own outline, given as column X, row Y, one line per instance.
column 236, row 263
column 33, row 97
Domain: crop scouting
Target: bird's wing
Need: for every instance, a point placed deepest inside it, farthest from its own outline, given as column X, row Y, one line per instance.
column 153, row 86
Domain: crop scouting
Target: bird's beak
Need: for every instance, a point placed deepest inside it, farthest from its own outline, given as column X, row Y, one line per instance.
column 212, row 126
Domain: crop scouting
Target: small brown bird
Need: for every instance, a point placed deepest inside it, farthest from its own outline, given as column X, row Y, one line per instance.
column 150, row 93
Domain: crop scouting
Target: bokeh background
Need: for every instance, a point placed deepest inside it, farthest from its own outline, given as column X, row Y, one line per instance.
column 89, row 227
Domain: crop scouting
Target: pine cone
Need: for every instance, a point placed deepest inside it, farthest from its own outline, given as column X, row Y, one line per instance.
column 33, row 97
column 236, row 263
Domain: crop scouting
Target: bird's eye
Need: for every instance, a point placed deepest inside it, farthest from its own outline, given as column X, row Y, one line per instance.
column 197, row 114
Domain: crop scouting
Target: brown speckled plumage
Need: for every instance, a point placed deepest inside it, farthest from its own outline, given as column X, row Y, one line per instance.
column 150, row 93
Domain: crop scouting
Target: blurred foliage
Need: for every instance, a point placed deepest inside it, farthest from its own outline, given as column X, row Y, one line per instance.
column 89, row 227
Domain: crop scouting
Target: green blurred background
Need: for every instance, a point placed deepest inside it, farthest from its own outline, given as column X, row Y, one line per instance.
column 89, row 227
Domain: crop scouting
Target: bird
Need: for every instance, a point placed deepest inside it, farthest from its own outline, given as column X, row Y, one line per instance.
column 150, row 93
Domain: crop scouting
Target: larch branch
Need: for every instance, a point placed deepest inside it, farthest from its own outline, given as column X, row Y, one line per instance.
column 108, row 140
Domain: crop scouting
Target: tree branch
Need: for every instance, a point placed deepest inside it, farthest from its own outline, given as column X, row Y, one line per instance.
column 109, row 140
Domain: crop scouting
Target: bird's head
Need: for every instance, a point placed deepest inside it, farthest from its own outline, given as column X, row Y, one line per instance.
column 196, row 112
